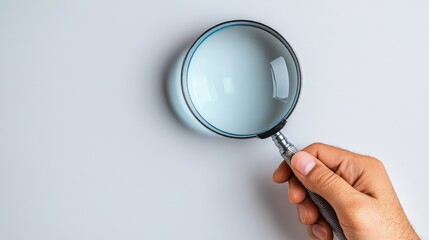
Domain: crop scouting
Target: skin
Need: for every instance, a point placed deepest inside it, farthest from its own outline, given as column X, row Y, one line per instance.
column 356, row 186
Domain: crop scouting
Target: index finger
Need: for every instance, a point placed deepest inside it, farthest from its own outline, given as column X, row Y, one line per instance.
column 283, row 173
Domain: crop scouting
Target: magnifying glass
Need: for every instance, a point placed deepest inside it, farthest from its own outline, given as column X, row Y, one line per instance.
column 241, row 79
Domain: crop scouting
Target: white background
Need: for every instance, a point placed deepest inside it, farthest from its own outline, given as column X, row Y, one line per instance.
column 90, row 149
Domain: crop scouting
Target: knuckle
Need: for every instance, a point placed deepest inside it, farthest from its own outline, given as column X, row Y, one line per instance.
column 325, row 181
column 375, row 163
column 316, row 145
column 378, row 163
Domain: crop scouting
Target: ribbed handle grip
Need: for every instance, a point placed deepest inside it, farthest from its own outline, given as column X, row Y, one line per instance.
column 287, row 150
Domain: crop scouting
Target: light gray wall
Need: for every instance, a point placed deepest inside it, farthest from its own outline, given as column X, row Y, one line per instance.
column 89, row 148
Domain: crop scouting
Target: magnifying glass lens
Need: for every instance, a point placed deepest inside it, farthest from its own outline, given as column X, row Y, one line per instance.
column 241, row 80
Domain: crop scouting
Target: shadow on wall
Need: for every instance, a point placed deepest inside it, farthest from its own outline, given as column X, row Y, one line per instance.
column 274, row 200
column 172, row 90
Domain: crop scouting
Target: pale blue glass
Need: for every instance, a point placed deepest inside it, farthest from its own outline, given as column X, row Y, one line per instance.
column 241, row 79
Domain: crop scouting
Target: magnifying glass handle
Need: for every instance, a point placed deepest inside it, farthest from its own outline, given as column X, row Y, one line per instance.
column 287, row 150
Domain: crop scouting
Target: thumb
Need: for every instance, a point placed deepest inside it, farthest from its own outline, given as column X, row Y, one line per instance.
column 318, row 178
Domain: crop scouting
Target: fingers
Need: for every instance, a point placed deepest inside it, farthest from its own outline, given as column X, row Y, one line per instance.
column 307, row 212
column 296, row 192
column 283, row 173
column 320, row 230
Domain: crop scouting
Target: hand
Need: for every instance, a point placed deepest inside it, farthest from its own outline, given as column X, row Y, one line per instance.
column 356, row 186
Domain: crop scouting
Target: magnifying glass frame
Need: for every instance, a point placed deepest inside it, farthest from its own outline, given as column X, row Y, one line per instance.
column 187, row 61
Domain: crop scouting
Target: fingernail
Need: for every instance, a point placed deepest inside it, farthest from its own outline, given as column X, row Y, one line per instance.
column 319, row 231
column 303, row 162
column 302, row 213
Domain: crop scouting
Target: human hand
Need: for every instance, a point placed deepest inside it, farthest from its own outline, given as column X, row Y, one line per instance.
column 356, row 186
